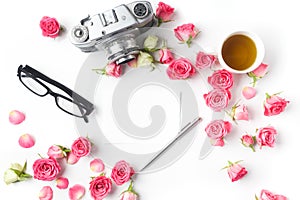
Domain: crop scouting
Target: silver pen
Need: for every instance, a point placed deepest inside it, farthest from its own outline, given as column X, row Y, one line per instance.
column 182, row 132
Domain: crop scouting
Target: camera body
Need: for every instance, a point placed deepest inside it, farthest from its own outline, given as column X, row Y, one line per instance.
column 114, row 31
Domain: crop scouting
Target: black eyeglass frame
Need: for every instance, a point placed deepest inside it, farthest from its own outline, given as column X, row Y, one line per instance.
column 83, row 104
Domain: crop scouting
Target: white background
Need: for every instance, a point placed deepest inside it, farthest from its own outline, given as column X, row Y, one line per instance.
column 275, row 169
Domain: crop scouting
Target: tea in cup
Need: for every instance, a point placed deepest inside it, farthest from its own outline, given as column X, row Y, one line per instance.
column 241, row 52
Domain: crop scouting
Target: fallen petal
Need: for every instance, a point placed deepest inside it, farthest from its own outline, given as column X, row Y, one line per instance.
column 97, row 165
column 62, row 183
column 249, row 92
column 72, row 159
column 16, row 117
column 26, row 141
column 76, row 192
column 46, row 193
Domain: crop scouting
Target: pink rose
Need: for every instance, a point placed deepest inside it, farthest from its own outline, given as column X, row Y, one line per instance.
column 204, row 60
column 46, row 169
column 100, row 187
column 56, row 152
column 221, row 79
column 166, row 56
column 186, row 33
column 258, row 73
column 267, row 195
column 217, row 130
column 217, row 99
column 236, row 171
column 266, row 136
column 127, row 195
column 239, row 112
column 248, row 141
column 113, row 69
column 50, row 27
column 81, row 147
column 122, row 172
column 164, row 13
column 181, row 68
column 274, row 105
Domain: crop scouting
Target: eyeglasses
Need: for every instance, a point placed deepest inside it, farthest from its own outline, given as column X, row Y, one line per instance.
column 66, row 99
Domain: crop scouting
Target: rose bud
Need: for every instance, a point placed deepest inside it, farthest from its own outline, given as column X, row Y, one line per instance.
column 239, row 112
column 235, row 171
column 274, row 105
column 129, row 194
column 248, row 141
column 16, row 117
column 62, row 183
column 186, row 33
column 164, row 13
column 26, row 141
column 258, row 73
column 76, row 192
column 46, row 193
column 150, row 43
column 97, row 165
column 166, row 56
column 248, row 92
column 16, row 173
column 267, row 195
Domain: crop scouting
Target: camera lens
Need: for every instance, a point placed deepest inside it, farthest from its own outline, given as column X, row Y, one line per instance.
column 140, row 10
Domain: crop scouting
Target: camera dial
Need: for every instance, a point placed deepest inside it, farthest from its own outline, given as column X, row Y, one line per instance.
column 140, row 10
column 80, row 33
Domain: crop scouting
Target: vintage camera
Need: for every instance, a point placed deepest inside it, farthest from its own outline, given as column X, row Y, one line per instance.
column 114, row 31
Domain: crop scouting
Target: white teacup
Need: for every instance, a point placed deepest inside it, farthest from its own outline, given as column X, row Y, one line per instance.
column 241, row 52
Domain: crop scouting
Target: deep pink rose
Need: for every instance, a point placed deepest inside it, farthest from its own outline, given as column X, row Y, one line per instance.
column 113, row 69
column 122, row 172
column 100, row 187
column 236, row 171
column 46, row 169
column 186, row 33
column 166, row 56
column 204, row 60
column 217, row 99
column 55, row 152
column 50, row 27
column 266, row 136
column 216, row 130
column 221, row 79
column 181, row 68
column 81, row 147
column 267, row 195
column 274, row 105
column 164, row 12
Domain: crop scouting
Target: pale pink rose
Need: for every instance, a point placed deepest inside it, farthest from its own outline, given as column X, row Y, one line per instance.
column 81, row 147
column 164, row 13
column 240, row 112
column 97, row 165
column 266, row 136
column 46, row 169
column 217, row 99
column 50, row 27
column 72, row 159
column 267, row 195
column 128, row 196
column 186, row 33
column 46, row 193
column 113, row 69
column 100, row 187
column 249, row 92
column 216, row 130
column 205, row 60
column 221, row 79
column 26, row 140
column 62, row 183
column 166, row 56
column 16, row 117
column 55, row 152
column 181, row 68
column 248, row 141
column 261, row 70
column 236, row 171
column 274, row 105
column 76, row 192
column 121, row 172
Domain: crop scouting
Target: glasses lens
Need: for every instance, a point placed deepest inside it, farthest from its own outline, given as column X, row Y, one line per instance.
column 33, row 85
column 70, row 107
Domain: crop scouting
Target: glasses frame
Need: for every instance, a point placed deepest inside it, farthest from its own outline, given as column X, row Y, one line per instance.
column 84, row 105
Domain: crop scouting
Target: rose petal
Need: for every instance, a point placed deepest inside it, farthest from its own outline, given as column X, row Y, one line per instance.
column 97, row 165
column 76, row 192
column 72, row 159
column 26, row 141
column 62, row 183
column 46, row 193
column 248, row 92
column 16, row 117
